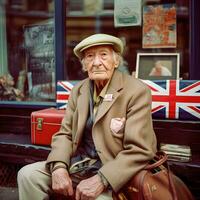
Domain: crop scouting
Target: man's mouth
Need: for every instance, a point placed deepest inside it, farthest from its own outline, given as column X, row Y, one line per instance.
column 98, row 72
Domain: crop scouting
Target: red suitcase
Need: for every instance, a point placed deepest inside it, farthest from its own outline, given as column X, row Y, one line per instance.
column 44, row 123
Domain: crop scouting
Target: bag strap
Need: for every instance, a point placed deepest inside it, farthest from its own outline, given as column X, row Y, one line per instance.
column 160, row 158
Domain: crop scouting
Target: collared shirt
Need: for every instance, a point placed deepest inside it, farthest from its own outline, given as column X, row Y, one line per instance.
column 98, row 99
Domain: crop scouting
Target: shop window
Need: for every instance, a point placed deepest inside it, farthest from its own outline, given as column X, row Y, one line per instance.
column 86, row 17
column 27, row 61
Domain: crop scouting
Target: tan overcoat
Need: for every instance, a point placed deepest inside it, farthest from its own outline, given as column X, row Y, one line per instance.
column 123, row 153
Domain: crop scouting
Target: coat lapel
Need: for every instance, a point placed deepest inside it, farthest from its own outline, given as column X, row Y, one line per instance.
column 83, row 109
column 114, row 87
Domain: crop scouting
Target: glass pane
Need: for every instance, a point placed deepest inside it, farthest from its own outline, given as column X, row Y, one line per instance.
column 86, row 17
column 27, row 67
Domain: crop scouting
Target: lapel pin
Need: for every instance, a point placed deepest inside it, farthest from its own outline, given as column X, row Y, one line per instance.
column 108, row 97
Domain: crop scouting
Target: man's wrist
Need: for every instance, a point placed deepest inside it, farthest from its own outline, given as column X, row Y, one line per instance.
column 57, row 165
column 103, row 179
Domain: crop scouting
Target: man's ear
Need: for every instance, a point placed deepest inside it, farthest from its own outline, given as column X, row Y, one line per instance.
column 84, row 68
column 117, row 61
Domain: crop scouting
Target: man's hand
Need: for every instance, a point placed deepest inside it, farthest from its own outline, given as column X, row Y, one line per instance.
column 89, row 188
column 61, row 182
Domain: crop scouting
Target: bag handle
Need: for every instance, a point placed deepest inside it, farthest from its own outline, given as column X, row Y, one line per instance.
column 160, row 158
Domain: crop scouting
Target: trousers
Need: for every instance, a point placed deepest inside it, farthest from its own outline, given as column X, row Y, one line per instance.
column 34, row 183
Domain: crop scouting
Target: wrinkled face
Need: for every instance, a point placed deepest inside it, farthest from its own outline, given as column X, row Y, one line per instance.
column 100, row 62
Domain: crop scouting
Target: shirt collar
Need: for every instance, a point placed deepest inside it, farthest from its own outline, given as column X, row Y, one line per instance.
column 102, row 93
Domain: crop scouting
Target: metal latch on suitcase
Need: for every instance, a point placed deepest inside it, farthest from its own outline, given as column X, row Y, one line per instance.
column 39, row 123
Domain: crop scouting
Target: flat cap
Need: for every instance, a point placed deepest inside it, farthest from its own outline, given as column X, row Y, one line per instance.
column 96, row 40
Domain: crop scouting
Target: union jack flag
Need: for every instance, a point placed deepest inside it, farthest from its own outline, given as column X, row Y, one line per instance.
column 175, row 99
column 62, row 93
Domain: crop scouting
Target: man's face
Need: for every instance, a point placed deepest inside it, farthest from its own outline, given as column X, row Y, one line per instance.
column 99, row 62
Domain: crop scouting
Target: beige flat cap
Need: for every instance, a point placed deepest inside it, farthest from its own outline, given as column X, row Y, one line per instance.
column 96, row 40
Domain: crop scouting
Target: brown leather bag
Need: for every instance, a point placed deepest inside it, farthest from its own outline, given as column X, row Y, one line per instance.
column 155, row 182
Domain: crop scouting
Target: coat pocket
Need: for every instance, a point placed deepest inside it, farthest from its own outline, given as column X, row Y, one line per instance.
column 117, row 126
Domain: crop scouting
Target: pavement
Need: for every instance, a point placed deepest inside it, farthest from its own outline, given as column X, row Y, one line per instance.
column 8, row 193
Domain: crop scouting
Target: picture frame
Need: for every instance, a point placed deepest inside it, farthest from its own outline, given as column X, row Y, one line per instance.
column 158, row 66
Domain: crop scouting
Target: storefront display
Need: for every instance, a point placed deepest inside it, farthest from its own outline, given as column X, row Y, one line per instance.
column 27, row 51
column 30, row 40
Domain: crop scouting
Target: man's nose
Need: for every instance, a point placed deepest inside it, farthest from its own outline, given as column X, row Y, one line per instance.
column 97, row 60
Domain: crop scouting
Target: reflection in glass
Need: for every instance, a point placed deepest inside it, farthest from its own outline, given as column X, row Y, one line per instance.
column 27, row 66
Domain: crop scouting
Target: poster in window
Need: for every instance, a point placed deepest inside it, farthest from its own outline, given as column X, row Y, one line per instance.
column 39, row 45
column 127, row 13
column 159, row 26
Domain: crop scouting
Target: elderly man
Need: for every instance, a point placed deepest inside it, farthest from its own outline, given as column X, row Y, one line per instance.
column 106, row 136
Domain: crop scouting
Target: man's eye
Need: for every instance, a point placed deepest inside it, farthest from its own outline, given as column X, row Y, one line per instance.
column 103, row 55
column 89, row 56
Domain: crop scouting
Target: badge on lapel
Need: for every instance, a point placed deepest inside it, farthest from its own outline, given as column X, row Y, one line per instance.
column 108, row 97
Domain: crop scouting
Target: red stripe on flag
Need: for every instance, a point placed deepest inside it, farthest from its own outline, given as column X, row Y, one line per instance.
column 153, row 89
column 65, row 86
column 156, row 109
column 190, row 87
column 172, row 94
column 62, row 96
column 194, row 108
column 178, row 99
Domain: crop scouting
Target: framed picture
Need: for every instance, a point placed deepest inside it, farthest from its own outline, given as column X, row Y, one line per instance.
column 158, row 66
